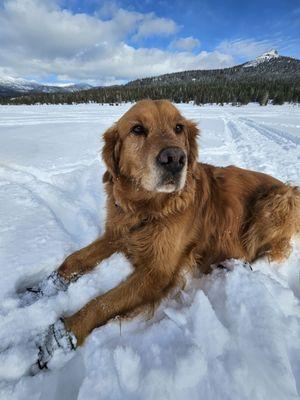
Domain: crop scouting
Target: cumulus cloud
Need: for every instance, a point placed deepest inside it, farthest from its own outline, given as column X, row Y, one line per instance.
column 39, row 38
column 152, row 25
column 188, row 43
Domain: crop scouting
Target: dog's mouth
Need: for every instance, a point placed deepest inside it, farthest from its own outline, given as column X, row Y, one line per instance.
column 171, row 183
column 171, row 166
column 164, row 180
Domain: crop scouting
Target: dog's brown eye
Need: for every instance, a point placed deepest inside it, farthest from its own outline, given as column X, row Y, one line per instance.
column 179, row 128
column 139, row 130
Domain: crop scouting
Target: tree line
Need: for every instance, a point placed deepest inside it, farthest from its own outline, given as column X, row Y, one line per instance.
column 257, row 89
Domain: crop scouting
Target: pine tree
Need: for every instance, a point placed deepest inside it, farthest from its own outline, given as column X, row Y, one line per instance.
column 263, row 99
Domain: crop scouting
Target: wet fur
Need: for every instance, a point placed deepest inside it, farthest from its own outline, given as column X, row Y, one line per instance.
column 221, row 213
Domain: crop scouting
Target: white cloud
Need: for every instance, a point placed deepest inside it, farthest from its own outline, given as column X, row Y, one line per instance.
column 188, row 43
column 39, row 39
column 124, row 61
column 153, row 26
column 248, row 48
column 47, row 31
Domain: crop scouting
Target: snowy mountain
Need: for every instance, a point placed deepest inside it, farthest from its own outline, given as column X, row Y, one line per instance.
column 10, row 86
column 269, row 55
column 268, row 65
column 268, row 77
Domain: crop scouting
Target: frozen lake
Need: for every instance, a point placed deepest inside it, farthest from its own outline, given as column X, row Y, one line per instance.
column 229, row 336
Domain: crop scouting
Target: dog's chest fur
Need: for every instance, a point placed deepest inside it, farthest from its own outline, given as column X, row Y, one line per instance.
column 152, row 239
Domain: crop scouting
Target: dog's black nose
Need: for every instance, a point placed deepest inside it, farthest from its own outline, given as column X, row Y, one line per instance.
column 172, row 159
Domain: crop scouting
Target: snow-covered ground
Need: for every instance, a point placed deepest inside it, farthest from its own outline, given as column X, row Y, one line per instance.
column 230, row 336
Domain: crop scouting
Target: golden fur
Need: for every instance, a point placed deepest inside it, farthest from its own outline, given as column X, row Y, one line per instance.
column 204, row 216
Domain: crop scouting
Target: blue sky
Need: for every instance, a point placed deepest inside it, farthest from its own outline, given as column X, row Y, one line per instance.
column 214, row 21
column 113, row 42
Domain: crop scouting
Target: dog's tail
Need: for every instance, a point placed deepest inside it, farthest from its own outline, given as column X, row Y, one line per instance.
column 274, row 220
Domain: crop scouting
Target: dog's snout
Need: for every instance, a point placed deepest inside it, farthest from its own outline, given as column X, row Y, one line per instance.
column 172, row 158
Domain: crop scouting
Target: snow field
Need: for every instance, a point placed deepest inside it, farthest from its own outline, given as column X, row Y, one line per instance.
column 230, row 335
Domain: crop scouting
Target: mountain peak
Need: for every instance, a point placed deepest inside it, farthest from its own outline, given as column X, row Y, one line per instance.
column 267, row 56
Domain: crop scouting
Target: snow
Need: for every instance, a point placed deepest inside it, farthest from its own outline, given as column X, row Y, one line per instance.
column 230, row 335
column 269, row 55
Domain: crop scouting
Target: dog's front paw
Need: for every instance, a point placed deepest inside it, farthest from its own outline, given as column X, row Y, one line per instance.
column 57, row 342
column 49, row 286
column 73, row 267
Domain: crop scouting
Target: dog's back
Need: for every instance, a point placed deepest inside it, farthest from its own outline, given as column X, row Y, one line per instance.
column 248, row 214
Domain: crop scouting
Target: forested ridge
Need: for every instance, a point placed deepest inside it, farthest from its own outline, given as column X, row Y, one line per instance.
column 276, row 80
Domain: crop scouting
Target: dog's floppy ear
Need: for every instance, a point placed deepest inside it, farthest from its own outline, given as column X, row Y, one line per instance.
column 192, row 133
column 111, row 153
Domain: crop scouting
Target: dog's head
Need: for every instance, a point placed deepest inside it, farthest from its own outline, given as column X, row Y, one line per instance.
column 152, row 144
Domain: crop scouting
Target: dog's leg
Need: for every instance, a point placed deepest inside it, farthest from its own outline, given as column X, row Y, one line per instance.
column 141, row 288
column 86, row 259
column 275, row 220
column 78, row 263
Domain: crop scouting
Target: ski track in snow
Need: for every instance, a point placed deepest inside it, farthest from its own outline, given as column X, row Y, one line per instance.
column 230, row 335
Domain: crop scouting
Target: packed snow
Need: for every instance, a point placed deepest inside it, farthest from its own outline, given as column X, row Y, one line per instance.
column 230, row 335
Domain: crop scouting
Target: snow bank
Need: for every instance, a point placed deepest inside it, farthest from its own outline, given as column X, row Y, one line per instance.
column 229, row 335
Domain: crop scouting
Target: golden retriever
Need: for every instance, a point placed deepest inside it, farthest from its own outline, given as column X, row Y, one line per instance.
column 166, row 213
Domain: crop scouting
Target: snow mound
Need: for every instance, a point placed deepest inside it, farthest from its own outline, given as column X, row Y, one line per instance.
column 229, row 336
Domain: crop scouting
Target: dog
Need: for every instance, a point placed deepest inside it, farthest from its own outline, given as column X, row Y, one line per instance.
column 168, row 213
